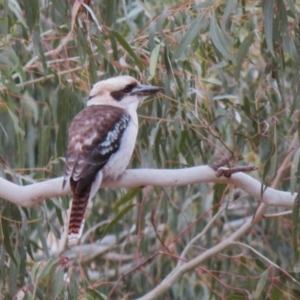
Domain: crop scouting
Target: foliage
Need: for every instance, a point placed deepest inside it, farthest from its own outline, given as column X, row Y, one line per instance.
column 230, row 72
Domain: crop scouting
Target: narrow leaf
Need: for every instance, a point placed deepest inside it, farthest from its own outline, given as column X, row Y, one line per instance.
column 268, row 11
column 206, row 4
column 292, row 7
column 219, row 190
column 261, row 285
column 60, row 6
column 128, row 196
column 48, row 269
column 294, row 171
column 230, row 6
column 16, row 9
column 41, row 235
column 188, row 36
column 32, row 13
column 295, row 217
column 220, row 39
column 95, row 295
column 6, row 61
column 117, row 218
column 55, row 283
column 242, row 52
column 15, row 120
column 92, row 14
column 38, row 47
column 93, row 69
column 7, row 242
column 127, row 47
column 67, row 106
column 153, row 61
column 73, row 286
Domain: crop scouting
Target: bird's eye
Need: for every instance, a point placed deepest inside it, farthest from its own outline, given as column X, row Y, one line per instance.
column 128, row 88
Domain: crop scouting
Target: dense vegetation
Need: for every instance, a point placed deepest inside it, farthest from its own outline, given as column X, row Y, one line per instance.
column 230, row 73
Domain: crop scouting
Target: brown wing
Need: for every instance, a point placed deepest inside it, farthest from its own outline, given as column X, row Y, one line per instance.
column 94, row 135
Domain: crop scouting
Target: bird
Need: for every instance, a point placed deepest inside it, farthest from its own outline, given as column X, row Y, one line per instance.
column 101, row 140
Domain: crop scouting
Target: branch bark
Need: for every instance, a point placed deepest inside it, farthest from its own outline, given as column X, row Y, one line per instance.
column 32, row 194
column 180, row 270
column 245, row 182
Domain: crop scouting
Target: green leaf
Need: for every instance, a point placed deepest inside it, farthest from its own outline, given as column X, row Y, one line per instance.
column 38, row 47
column 32, row 12
column 95, row 295
column 127, row 47
column 6, row 238
column 236, row 296
column 292, row 7
column 93, row 69
column 16, row 9
column 4, row 59
column 295, row 168
column 117, row 218
column 190, row 34
column 260, row 264
column 161, row 22
column 261, row 285
column 242, row 52
column 55, row 230
column 47, row 270
column 276, row 294
column 43, row 148
column 60, row 6
column 271, row 161
column 68, row 105
column 13, row 57
column 55, row 284
column 220, row 39
column 13, row 275
column 295, row 217
column 42, row 237
column 163, row 207
column 15, row 120
column 296, row 293
column 206, row 4
column 92, row 14
column 127, row 197
column 219, row 190
column 230, row 6
column 153, row 61
column 73, row 287
column 268, row 12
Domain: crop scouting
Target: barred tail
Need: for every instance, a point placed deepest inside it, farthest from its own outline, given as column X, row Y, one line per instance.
column 78, row 209
column 81, row 196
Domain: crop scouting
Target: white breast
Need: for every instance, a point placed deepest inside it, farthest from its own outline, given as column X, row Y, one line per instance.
column 120, row 160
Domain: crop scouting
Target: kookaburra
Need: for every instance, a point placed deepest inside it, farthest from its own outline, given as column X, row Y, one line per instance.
column 101, row 140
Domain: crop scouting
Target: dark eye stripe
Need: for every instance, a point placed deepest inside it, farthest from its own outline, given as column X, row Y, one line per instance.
column 119, row 95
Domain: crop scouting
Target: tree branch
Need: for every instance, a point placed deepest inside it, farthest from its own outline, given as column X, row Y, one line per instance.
column 33, row 194
column 178, row 272
column 245, row 182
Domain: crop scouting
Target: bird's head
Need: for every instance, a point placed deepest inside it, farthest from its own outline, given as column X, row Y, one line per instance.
column 122, row 91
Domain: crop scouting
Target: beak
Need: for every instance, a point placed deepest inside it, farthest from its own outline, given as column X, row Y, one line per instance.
column 145, row 90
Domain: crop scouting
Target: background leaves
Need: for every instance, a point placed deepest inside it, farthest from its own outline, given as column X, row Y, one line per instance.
column 230, row 73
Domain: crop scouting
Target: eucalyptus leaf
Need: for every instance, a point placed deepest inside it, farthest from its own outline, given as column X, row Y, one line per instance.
column 220, row 40
column 153, row 61
column 190, row 34
column 127, row 47
column 268, row 10
column 242, row 52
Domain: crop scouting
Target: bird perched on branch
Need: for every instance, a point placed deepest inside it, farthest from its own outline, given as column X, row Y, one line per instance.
column 101, row 141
